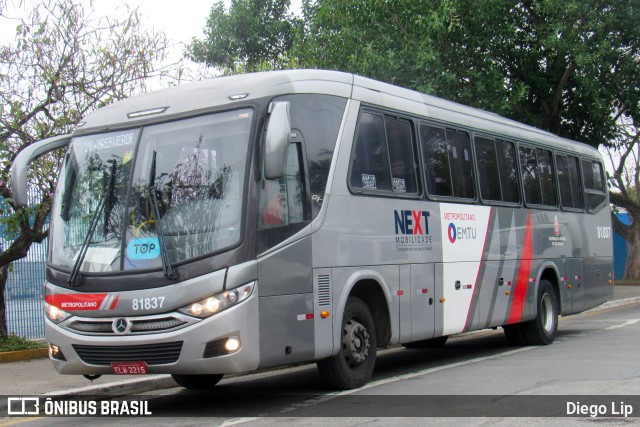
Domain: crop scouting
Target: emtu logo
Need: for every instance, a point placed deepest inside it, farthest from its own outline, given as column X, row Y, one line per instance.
column 412, row 222
column 453, row 234
column 461, row 233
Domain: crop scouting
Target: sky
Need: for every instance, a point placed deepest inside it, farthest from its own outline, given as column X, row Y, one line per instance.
column 180, row 20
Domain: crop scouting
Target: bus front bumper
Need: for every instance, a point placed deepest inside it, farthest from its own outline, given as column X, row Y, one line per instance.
column 196, row 349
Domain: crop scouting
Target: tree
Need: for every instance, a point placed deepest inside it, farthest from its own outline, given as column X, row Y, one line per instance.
column 625, row 185
column 567, row 66
column 61, row 65
column 252, row 35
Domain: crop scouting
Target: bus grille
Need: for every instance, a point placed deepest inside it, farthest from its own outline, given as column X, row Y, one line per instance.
column 324, row 290
column 104, row 327
column 151, row 354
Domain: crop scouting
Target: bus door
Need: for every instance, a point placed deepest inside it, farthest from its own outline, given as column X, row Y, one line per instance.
column 423, row 301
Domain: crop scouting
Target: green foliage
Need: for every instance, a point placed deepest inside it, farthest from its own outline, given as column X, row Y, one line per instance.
column 16, row 343
column 568, row 66
column 253, row 35
column 61, row 65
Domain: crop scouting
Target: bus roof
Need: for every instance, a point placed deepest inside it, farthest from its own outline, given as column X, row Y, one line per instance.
column 199, row 97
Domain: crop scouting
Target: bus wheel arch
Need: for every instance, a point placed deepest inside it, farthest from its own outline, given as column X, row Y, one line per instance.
column 551, row 275
column 370, row 292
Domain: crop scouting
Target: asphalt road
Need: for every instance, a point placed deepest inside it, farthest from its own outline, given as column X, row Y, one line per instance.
column 594, row 361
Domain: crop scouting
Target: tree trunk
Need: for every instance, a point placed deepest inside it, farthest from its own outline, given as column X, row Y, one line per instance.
column 4, row 274
column 632, row 268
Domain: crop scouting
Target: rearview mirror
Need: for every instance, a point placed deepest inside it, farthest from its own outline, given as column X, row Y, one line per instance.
column 277, row 140
column 20, row 167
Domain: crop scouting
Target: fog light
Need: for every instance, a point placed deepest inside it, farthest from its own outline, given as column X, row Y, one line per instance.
column 232, row 344
column 55, row 352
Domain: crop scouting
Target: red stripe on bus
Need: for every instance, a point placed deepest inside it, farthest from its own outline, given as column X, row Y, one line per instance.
column 520, row 291
column 72, row 302
column 114, row 303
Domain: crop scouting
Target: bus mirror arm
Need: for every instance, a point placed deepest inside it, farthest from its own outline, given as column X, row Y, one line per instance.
column 277, row 138
column 20, row 167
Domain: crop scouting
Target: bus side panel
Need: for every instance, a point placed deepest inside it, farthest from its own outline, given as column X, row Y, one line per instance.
column 285, row 288
column 597, row 273
column 575, row 293
column 423, row 302
column 286, row 329
column 323, row 302
column 286, row 271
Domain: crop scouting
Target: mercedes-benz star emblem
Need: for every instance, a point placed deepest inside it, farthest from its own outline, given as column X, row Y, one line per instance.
column 121, row 326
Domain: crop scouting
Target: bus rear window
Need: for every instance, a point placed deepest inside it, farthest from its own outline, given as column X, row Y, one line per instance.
column 594, row 184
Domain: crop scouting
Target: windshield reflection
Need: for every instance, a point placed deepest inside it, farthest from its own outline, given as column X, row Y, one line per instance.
column 194, row 169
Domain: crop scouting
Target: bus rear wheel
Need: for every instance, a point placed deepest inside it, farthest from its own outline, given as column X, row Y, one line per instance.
column 197, row 382
column 353, row 365
column 541, row 330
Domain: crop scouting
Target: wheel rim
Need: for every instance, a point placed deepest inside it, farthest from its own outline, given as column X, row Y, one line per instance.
column 548, row 315
column 355, row 341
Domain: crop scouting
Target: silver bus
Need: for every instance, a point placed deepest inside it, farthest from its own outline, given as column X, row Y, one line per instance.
column 267, row 219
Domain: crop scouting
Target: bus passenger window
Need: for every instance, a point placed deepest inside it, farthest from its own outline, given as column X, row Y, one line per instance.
column 593, row 184
column 569, row 182
column 403, row 166
column 537, row 176
column 508, row 172
column 383, row 158
column 489, row 173
column 547, row 182
column 497, row 170
column 371, row 161
column 530, row 177
column 447, row 162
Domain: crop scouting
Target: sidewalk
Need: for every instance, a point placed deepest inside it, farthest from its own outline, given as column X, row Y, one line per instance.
column 38, row 376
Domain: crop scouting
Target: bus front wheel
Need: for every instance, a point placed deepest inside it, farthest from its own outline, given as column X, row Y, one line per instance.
column 353, row 365
column 197, row 382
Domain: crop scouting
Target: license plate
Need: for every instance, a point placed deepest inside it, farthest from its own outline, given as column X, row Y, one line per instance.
column 129, row 368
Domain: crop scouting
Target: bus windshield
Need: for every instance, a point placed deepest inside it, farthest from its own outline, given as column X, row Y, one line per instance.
column 144, row 198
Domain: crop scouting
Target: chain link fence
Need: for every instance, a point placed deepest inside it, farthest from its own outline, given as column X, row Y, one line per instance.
column 24, row 291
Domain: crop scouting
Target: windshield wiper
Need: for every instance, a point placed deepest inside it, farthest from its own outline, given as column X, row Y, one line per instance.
column 93, row 224
column 167, row 269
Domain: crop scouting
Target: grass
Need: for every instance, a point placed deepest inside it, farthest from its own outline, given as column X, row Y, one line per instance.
column 627, row 282
column 16, row 343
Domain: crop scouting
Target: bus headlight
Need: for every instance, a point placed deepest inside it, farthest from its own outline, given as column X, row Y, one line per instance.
column 219, row 302
column 54, row 314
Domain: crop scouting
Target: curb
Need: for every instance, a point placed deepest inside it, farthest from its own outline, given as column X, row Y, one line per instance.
column 22, row 355
column 615, row 303
column 119, row 388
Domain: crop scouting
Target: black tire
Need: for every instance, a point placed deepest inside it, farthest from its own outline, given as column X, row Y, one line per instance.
column 197, row 382
column 430, row 343
column 542, row 330
column 353, row 365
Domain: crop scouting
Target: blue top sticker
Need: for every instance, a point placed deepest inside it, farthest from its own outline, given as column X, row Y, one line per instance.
column 145, row 248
